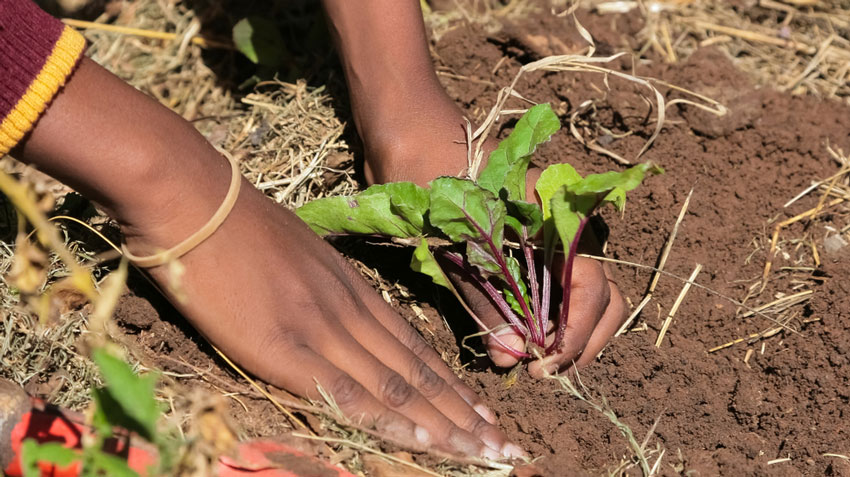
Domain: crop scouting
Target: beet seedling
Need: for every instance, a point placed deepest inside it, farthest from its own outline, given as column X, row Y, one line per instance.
column 464, row 221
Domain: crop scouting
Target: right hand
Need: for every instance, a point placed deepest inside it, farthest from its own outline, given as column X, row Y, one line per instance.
column 284, row 304
column 263, row 288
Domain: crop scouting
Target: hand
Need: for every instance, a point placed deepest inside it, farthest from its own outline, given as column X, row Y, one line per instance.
column 597, row 310
column 289, row 308
column 413, row 131
column 263, row 288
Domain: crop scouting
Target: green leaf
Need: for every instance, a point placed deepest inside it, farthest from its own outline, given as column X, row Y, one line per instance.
column 614, row 184
column 127, row 400
column 508, row 164
column 423, row 261
column 395, row 210
column 516, row 272
column 53, row 452
column 567, row 219
column 467, row 213
column 259, row 40
column 111, row 465
column 407, row 200
column 463, row 211
column 523, row 214
column 481, row 255
column 551, row 180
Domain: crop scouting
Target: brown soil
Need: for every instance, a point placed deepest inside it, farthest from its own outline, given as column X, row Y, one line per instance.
column 716, row 413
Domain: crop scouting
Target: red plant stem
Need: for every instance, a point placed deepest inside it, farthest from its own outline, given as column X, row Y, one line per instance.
column 566, row 280
column 547, row 292
column 532, row 282
column 458, row 260
column 503, row 266
column 491, row 291
column 529, row 318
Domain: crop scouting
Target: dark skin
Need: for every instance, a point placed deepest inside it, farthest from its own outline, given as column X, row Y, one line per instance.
column 264, row 288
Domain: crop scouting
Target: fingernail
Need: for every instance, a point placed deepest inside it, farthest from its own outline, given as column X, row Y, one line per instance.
column 422, row 435
column 491, row 443
column 486, row 413
column 505, row 332
column 490, row 454
column 513, row 450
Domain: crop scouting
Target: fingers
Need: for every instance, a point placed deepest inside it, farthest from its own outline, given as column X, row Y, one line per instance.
column 498, row 355
column 398, row 393
column 353, row 399
column 493, row 320
column 590, row 296
column 408, row 336
column 613, row 317
column 394, row 342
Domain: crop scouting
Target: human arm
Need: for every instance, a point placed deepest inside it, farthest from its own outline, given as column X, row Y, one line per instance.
column 263, row 287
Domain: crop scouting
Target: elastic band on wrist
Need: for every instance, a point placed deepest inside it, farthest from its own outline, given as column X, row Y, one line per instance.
column 202, row 234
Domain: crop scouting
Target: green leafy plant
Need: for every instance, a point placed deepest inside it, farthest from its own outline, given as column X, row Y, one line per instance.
column 126, row 401
column 465, row 222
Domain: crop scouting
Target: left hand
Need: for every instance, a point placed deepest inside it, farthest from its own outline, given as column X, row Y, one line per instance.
column 597, row 310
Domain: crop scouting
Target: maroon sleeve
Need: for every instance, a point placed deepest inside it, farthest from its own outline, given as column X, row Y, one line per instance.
column 37, row 53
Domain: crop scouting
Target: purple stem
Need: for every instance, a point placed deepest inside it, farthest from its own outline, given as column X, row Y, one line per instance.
column 566, row 279
column 547, row 292
column 532, row 282
column 458, row 260
column 500, row 260
column 491, row 291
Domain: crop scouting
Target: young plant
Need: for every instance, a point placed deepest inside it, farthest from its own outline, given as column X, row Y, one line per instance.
column 465, row 221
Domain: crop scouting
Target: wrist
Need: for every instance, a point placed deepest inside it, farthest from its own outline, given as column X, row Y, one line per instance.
column 145, row 165
column 168, row 195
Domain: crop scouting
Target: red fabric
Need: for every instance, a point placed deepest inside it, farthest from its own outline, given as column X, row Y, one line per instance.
column 27, row 36
column 44, row 428
column 50, row 427
column 259, row 458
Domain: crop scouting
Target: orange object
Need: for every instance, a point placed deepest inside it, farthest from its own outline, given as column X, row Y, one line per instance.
column 22, row 417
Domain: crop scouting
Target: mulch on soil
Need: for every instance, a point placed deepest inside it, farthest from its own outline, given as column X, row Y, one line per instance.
column 716, row 413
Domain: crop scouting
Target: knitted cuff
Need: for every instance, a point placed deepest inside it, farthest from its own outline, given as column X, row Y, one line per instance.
column 37, row 54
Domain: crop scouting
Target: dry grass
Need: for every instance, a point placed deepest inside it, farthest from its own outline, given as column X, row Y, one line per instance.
column 290, row 144
column 642, row 454
column 443, row 15
column 796, row 46
column 173, row 72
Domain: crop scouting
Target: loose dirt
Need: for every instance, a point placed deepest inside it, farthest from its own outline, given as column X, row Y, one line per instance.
column 715, row 412
column 730, row 412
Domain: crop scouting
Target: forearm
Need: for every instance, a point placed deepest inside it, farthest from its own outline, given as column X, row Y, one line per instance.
column 384, row 51
column 75, row 121
column 141, row 162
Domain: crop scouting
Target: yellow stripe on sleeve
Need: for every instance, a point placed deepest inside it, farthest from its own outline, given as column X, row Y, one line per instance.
column 44, row 87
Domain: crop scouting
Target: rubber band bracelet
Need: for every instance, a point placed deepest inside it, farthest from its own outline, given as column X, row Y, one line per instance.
column 202, row 234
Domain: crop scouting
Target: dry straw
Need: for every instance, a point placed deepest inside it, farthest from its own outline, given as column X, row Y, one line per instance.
column 799, row 47
column 587, row 63
column 661, row 262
